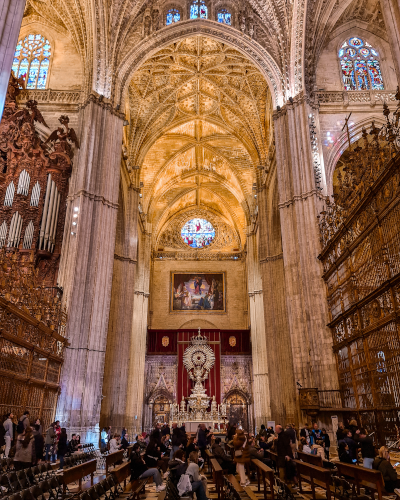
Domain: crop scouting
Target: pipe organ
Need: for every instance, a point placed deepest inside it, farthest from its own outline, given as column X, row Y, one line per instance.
column 33, row 183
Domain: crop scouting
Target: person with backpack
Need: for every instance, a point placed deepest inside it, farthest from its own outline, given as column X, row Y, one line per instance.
column 23, row 422
column 25, row 450
column 177, row 466
column 9, row 432
column 50, row 443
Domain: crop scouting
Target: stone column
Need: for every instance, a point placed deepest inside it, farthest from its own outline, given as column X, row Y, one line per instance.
column 116, row 380
column 391, row 16
column 11, row 13
column 299, row 203
column 261, row 393
column 136, row 373
column 279, row 353
column 87, row 264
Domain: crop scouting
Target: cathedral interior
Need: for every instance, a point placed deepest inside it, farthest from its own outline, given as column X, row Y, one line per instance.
column 200, row 169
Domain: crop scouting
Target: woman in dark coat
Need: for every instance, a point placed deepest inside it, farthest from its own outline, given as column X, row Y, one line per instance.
column 62, row 446
column 242, row 456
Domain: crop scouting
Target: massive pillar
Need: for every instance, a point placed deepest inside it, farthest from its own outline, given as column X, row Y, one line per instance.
column 262, row 403
column 299, row 203
column 136, row 371
column 11, row 13
column 87, row 265
column 116, row 380
column 391, row 16
column 277, row 336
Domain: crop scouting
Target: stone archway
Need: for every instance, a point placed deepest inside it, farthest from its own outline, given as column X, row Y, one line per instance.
column 239, row 403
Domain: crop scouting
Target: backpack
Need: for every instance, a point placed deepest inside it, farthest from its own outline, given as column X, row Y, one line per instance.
column 20, row 426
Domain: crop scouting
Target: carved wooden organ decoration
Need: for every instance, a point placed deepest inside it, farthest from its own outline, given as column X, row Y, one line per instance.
column 360, row 237
column 34, row 187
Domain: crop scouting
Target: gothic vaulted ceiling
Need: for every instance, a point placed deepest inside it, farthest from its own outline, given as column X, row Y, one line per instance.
column 199, row 116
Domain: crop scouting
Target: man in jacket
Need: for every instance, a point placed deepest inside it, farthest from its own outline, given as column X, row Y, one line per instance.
column 224, row 460
column 367, row 447
column 283, row 450
column 49, row 442
column 176, row 440
column 9, row 432
column 305, row 433
column 202, row 439
column 25, row 420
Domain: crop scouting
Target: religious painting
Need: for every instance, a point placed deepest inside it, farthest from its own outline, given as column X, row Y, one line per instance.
column 203, row 292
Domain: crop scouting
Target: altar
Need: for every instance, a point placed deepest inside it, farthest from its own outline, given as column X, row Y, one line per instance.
column 193, row 426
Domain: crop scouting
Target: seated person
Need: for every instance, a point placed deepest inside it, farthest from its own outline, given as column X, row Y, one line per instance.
column 198, row 481
column 177, row 466
column 264, row 446
column 303, row 446
column 115, row 444
column 382, row 463
column 141, row 442
column 139, row 469
column 318, row 448
column 125, row 441
column 224, row 460
column 191, row 446
column 344, row 453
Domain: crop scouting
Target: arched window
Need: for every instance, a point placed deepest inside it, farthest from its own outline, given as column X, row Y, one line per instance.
column 360, row 65
column 173, row 16
column 198, row 9
column 224, row 16
column 32, row 61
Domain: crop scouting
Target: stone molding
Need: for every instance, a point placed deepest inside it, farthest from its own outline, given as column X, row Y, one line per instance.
column 146, row 295
column 301, row 197
column 179, row 256
column 255, row 292
column 103, row 103
column 272, row 258
column 51, row 96
column 122, row 258
column 371, row 97
column 93, row 196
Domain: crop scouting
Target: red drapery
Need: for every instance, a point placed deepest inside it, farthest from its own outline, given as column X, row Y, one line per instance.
column 212, row 384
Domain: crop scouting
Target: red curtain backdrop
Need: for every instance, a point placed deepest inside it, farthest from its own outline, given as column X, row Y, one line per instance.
column 154, row 342
column 213, row 383
column 242, row 339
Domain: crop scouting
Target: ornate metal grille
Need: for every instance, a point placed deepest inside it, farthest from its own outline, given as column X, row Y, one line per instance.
column 360, row 234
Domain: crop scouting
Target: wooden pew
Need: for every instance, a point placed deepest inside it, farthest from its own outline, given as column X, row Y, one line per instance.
column 239, row 490
column 230, row 449
column 315, row 476
column 310, row 459
column 138, row 487
column 274, row 457
column 113, row 458
column 129, row 450
column 207, row 458
column 121, row 472
column 217, row 476
column 360, row 476
column 78, row 472
column 265, row 472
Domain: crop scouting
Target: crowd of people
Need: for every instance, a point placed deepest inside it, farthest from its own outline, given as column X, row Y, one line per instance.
column 28, row 445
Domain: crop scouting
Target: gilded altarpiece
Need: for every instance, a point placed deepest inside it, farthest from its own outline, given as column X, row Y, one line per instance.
column 361, row 260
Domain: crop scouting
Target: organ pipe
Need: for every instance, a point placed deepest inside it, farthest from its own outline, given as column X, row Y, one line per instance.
column 3, row 233
column 15, row 230
column 8, row 200
column 54, row 232
column 46, row 204
column 23, row 183
column 28, row 236
column 35, row 196
column 50, row 217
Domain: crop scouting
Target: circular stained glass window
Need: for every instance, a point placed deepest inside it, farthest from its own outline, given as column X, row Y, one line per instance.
column 356, row 42
column 198, row 233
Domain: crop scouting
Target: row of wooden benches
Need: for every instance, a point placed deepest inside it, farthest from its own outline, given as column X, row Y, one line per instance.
column 314, row 475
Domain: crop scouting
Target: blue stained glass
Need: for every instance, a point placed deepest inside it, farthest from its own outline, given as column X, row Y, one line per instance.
column 361, row 74
column 23, row 68
column 33, row 71
column 374, row 52
column 349, row 81
column 375, row 75
column 173, row 16
column 194, row 11
column 44, row 68
column 198, row 233
column 198, row 9
column 356, row 42
column 15, row 66
column 31, row 37
column 341, row 52
column 224, row 17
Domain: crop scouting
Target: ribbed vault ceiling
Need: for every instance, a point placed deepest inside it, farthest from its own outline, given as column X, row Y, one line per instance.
column 199, row 115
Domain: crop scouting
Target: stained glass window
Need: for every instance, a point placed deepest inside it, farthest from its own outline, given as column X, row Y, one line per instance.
column 198, row 233
column 173, row 16
column 198, row 9
column 32, row 61
column 224, row 16
column 360, row 65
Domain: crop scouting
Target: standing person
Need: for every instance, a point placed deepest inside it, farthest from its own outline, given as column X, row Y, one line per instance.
column 202, row 439
column 103, row 440
column 242, row 456
column 39, row 443
column 156, row 434
column 139, row 469
column 340, row 433
column 327, row 443
column 62, row 447
column 25, row 450
column 305, row 433
column 315, row 433
column 123, row 432
column 50, row 443
column 367, row 448
column 165, row 430
column 57, row 429
column 40, row 425
column 176, row 439
column 285, row 454
column 109, row 436
column 23, row 422
column 9, row 432
column 353, row 427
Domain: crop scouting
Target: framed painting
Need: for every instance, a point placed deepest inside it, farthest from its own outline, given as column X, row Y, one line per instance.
column 201, row 292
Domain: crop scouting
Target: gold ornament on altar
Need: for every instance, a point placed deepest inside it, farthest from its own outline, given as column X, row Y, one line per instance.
column 165, row 341
column 232, row 341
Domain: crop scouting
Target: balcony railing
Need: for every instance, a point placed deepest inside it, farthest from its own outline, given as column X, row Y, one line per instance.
column 314, row 400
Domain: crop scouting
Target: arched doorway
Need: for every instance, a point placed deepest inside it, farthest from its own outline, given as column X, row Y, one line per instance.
column 239, row 408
